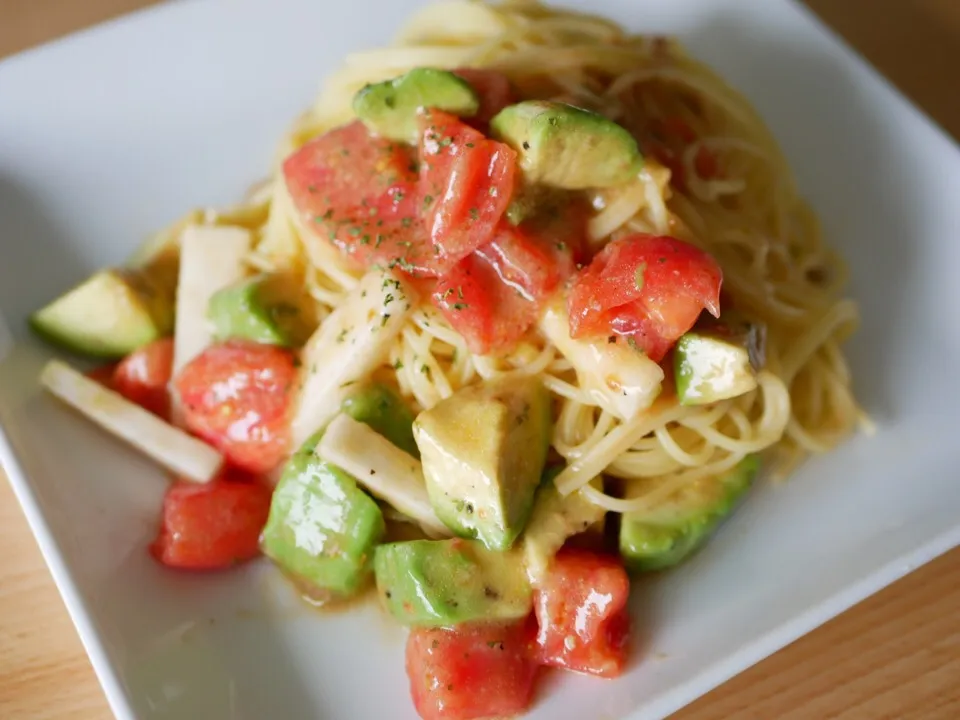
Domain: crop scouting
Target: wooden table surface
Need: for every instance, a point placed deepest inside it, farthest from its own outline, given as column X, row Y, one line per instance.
column 895, row 656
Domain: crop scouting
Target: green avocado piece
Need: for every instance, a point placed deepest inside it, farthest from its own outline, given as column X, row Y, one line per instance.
column 483, row 451
column 447, row 582
column 109, row 315
column 567, row 147
column 672, row 531
column 271, row 308
column 382, row 409
column 554, row 519
column 718, row 360
column 322, row 529
column 389, row 108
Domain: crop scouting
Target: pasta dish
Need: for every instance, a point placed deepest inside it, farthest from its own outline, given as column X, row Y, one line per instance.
column 524, row 307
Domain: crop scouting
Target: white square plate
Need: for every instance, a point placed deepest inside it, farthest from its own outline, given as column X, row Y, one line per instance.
column 116, row 131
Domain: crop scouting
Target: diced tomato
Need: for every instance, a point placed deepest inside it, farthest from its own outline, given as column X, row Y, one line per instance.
column 143, row 376
column 488, row 313
column 359, row 192
column 103, row 374
column 650, row 289
column 675, row 127
column 236, row 396
column 471, row 671
column 581, row 613
column 212, row 526
column 706, row 164
column 466, row 182
column 493, row 88
column 540, row 253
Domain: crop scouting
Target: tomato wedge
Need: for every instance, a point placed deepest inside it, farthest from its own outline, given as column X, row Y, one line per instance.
column 650, row 289
column 581, row 612
column 212, row 526
column 359, row 191
column 103, row 374
column 494, row 89
column 143, row 376
column 236, row 395
column 466, row 182
column 487, row 312
column 540, row 253
column 471, row 671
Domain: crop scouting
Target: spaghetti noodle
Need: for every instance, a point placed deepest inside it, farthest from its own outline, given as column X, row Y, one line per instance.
column 714, row 177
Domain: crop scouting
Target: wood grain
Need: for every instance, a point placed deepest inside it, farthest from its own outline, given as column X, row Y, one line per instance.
column 895, row 656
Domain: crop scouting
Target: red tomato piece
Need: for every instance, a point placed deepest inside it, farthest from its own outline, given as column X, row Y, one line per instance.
column 359, row 191
column 494, row 89
column 103, row 375
column 466, row 182
column 471, row 671
column 650, row 289
column 236, row 396
column 582, row 616
column 539, row 254
column 143, row 376
column 212, row 526
column 487, row 312
column 706, row 164
column 676, row 128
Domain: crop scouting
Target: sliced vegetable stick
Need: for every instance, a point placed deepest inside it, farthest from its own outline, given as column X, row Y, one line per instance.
column 177, row 451
column 622, row 381
column 211, row 258
column 383, row 468
column 348, row 346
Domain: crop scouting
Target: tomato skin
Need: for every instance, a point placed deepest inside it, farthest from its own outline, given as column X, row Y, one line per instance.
column 540, row 253
column 466, row 182
column 487, row 312
column 212, row 526
column 103, row 375
column 236, row 396
column 676, row 282
column 494, row 89
column 581, row 613
column 471, row 671
column 359, row 192
column 143, row 377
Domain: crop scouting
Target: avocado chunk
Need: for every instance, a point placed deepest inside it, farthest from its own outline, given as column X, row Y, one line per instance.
column 554, row 519
column 672, row 531
column 447, row 582
column 322, row 529
column 718, row 360
column 271, row 308
column 483, row 451
column 568, row 147
column 389, row 108
column 109, row 315
column 382, row 409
